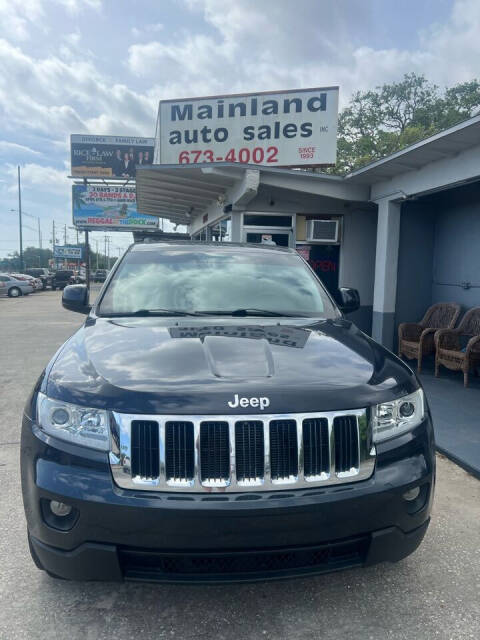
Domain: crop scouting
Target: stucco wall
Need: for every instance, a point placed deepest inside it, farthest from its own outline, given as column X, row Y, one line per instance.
column 415, row 261
column 357, row 261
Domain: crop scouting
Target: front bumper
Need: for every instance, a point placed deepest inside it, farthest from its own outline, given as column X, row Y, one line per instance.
column 221, row 537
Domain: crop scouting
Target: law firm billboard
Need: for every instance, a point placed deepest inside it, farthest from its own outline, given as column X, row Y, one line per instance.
column 109, row 156
column 289, row 128
column 108, row 207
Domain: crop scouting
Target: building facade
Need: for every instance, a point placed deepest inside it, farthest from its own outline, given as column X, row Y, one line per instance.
column 404, row 231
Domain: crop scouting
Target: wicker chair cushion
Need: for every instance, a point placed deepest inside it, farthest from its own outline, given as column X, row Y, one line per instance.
column 411, row 344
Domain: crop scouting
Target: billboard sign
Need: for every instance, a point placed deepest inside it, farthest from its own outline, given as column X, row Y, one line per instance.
column 108, row 207
column 108, row 156
column 290, row 128
column 68, row 251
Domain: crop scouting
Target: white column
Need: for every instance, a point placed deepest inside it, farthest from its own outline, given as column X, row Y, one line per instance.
column 386, row 263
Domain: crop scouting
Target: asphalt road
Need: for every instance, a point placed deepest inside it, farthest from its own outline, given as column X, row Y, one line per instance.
column 435, row 593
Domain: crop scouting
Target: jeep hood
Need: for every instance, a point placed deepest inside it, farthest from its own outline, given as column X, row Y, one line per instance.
column 196, row 366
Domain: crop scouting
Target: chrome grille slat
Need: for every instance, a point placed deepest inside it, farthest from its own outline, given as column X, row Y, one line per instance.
column 316, row 448
column 179, row 454
column 215, row 453
column 145, row 442
column 283, row 450
column 346, row 444
column 311, row 449
column 249, row 452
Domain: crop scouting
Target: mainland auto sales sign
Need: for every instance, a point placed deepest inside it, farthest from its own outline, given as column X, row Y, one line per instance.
column 290, row 128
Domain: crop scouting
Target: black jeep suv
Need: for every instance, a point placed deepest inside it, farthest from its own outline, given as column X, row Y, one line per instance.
column 217, row 418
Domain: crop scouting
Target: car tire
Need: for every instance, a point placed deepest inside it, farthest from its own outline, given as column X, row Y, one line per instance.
column 14, row 292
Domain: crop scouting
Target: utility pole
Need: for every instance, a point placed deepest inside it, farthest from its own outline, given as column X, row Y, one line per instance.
column 20, row 219
column 65, row 235
column 53, row 243
column 39, row 234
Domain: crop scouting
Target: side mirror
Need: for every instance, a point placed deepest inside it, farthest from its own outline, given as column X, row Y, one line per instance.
column 349, row 300
column 75, row 298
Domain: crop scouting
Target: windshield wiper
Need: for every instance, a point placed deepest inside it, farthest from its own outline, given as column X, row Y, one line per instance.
column 250, row 312
column 152, row 312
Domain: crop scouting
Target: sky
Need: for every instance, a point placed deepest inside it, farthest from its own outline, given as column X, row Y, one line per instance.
column 101, row 67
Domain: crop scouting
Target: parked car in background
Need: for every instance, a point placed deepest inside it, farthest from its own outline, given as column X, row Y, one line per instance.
column 35, row 282
column 42, row 273
column 100, row 275
column 16, row 287
column 61, row 278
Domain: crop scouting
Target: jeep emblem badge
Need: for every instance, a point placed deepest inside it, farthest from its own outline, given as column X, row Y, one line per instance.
column 249, row 402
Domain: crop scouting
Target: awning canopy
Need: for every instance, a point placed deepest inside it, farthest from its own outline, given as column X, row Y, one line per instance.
column 178, row 193
column 182, row 192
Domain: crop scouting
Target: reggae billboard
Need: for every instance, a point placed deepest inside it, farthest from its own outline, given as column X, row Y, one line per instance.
column 108, row 207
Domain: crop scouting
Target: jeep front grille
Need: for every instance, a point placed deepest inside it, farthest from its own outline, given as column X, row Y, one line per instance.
column 240, row 453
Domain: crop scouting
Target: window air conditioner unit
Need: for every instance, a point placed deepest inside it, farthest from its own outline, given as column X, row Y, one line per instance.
column 325, row 231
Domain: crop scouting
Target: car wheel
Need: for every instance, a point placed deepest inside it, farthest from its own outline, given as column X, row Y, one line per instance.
column 14, row 292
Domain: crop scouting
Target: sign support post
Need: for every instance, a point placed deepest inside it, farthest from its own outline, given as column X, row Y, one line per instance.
column 87, row 262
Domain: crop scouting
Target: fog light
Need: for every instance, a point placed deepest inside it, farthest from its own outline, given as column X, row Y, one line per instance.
column 411, row 494
column 60, row 509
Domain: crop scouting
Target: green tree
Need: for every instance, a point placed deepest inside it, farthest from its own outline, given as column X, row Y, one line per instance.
column 34, row 257
column 392, row 116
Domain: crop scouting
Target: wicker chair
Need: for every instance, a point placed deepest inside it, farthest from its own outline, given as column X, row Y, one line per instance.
column 459, row 349
column 416, row 340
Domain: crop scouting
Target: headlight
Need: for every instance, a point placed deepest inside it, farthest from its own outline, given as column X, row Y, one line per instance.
column 391, row 419
column 80, row 425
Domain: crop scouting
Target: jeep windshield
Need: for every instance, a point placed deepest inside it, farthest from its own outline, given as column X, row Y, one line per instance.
column 213, row 281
